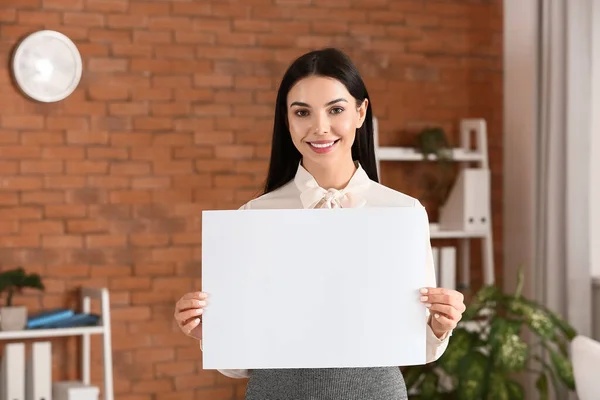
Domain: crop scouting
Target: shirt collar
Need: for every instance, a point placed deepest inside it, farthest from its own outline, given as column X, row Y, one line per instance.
column 349, row 197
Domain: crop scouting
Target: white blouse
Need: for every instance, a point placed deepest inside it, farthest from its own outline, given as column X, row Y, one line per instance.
column 304, row 192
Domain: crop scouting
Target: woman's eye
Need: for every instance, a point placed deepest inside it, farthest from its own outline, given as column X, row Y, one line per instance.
column 302, row 113
column 336, row 110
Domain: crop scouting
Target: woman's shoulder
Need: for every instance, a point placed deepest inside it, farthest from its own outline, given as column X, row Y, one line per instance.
column 382, row 196
column 287, row 196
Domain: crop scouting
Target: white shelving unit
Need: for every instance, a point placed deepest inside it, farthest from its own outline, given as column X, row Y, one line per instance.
column 103, row 328
column 468, row 154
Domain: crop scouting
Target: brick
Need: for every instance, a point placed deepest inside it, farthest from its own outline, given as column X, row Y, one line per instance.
column 8, row 15
column 103, row 241
column 108, row 92
column 140, row 313
column 223, row 393
column 70, row 5
column 130, row 197
column 151, row 183
column 21, row 183
column 62, row 241
column 64, row 182
column 87, row 137
column 130, row 168
column 87, row 226
column 42, row 197
column 83, row 19
column 9, row 199
column 107, row 153
column 86, row 167
column 35, row 17
column 64, row 211
column 146, row 37
column 20, row 213
column 20, row 241
column 107, row 5
column 61, row 153
column 107, row 64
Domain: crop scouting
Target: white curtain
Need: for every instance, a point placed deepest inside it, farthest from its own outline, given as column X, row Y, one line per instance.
column 562, row 243
column 547, row 153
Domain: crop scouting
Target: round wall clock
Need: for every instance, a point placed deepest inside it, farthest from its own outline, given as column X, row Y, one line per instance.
column 47, row 66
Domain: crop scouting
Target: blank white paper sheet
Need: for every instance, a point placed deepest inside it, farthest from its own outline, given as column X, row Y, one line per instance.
column 314, row 288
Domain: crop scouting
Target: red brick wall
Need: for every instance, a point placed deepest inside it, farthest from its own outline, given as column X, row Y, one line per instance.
column 173, row 116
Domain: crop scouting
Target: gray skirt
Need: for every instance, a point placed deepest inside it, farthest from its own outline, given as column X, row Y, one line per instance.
column 384, row 383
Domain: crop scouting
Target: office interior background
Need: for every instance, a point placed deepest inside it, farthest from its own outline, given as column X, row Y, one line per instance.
column 101, row 193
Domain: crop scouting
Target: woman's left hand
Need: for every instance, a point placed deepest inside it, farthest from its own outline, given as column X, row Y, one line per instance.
column 446, row 307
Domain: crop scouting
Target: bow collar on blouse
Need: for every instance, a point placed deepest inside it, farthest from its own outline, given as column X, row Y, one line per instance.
column 314, row 196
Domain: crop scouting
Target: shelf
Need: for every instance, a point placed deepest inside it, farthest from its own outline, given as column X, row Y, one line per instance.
column 57, row 332
column 455, row 234
column 411, row 154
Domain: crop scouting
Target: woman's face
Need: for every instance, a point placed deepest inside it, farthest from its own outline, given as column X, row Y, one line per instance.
column 323, row 118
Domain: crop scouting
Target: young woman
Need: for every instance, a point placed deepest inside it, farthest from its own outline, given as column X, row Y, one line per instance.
column 323, row 157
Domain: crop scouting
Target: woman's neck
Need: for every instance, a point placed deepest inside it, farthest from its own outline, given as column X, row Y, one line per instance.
column 332, row 178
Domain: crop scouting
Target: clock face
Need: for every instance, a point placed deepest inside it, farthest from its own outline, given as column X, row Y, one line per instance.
column 47, row 66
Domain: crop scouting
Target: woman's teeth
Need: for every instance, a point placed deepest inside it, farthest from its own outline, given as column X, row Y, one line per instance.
column 322, row 145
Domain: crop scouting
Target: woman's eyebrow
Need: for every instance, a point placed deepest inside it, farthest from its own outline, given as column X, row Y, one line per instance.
column 302, row 104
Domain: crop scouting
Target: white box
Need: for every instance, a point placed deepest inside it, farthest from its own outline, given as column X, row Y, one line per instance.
column 39, row 372
column 74, row 390
column 12, row 384
column 468, row 205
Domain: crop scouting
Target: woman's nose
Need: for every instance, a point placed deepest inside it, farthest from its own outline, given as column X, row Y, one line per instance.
column 322, row 126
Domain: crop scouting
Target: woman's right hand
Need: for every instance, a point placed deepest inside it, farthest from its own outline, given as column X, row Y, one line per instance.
column 188, row 313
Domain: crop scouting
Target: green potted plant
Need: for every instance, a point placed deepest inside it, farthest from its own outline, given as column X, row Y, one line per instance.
column 486, row 351
column 434, row 142
column 14, row 281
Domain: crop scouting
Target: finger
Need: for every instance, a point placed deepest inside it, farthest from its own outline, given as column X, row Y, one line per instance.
column 443, row 296
column 447, row 311
column 439, row 299
column 444, row 322
column 189, row 327
column 442, row 291
column 195, row 296
column 187, row 315
column 183, row 305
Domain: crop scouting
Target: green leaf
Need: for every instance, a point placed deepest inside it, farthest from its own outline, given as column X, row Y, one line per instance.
column 534, row 317
column 563, row 368
column 413, row 374
column 563, row 325
column 432, row 140
column 485, row 297
column 429, row 386
column 510, row 352
column 503, row 388
column 498, row 389
column 542, row 386
column 472, row 377
column 460, row 345
column 515, row 390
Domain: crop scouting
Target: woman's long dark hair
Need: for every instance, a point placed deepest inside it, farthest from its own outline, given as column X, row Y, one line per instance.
column 331, row 63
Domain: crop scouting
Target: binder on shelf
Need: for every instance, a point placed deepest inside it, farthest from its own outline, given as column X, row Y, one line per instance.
column 468, row 205
column 39, row 372
column 447, row 267
column 74, row 390
column 46, row 317
column 76, row 320
column 12, row 378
